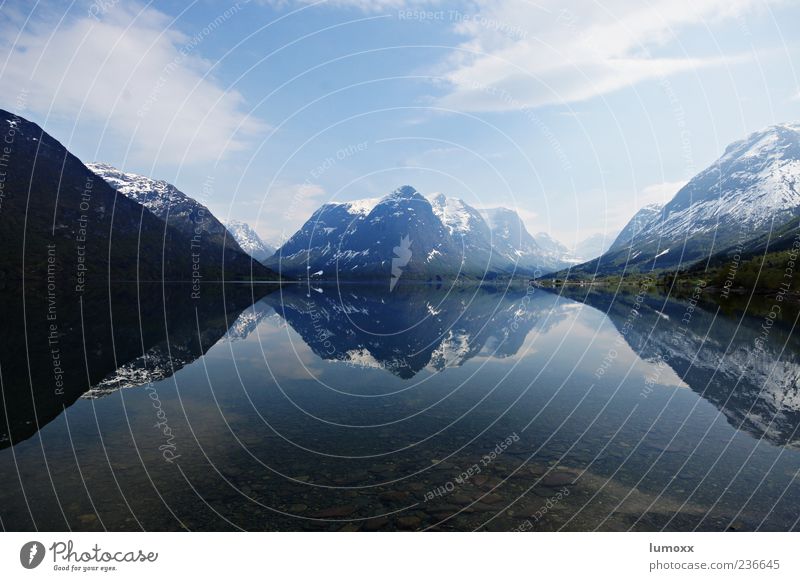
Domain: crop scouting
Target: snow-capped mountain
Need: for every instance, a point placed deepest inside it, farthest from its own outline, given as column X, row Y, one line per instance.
column 558, row 252
column 472, row 236
column 406, row 234
column 753, row 380
column 248, row 320
column 168, row 203
column 752, row 188
column 550, row 244
column 592, row 246
column 408, row 331
column 635, row 225
column 537, row 253
column 62, row 201
column 249, row 240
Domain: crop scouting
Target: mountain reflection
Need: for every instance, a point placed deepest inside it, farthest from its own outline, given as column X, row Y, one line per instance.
column 416, row 326
column 100, row 343
column 741, row 362
column 58, row 347
column 727, row 359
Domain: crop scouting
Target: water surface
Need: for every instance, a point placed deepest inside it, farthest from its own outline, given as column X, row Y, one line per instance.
column 355, row 408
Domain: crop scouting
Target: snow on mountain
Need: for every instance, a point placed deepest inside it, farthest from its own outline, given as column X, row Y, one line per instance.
column 446, row 237
column 636, row 225
column 168, row 203
column 249, row 240
column 156, row 195
column 457, row 215
column 510, row 234
column 557, row 252
column 753, row 188
column 408, row 331
column 550, row 244
column 754, row 183
column 593, row 246
column 248, row 320
column 361, row 207
column 473, row 236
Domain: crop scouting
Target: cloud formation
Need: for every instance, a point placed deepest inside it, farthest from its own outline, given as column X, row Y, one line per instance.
column 525, row 54
column 129, row 69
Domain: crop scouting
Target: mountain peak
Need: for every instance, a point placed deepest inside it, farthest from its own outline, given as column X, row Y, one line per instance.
column 249, row 240
column 163, row 199
column 405, row 192
column 41, row 184
column 101, row 166
column 156, row 195
column 451, row 238
column 501, row 212
column 438, row 199
column 749, row 190
column 779, row 140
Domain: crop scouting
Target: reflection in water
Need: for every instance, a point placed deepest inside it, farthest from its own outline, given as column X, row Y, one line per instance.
column 748, row 367
column 55, row 351
column 425, row 408
column 415, row 326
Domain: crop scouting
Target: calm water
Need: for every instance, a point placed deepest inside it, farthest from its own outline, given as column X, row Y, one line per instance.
column 425, row 408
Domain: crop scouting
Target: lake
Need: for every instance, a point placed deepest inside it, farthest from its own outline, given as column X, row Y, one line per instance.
column 349, row 407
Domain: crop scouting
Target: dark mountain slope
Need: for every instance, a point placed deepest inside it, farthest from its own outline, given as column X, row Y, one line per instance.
column 59, row 221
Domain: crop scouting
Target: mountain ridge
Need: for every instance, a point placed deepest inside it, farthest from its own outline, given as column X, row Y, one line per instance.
column 177, row 209
column 62, row 223
column 249, row 240
column 447, row 236
column 753, row 187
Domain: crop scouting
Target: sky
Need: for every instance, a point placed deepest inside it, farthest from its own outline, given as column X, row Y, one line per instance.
column 576, row 113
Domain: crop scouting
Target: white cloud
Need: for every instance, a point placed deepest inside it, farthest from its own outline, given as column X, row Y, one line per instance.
column 363, row 5
column 528, row 54
column 129, row 70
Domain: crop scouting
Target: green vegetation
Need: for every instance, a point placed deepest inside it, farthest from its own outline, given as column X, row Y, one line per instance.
column 762, row 273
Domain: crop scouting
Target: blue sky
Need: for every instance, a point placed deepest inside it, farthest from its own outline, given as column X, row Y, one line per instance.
column 576, row 113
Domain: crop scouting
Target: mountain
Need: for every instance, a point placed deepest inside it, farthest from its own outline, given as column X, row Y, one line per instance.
column 760, row 265
column 357, row 240
column 183, row 213
column 115, row 337
column 557, row 252
column 416, row 328
column 510, row 235
column 753, row 188
column 473, row 236
column 249, row 240
column 550, row 244
column 405, row 234
column 751, row 378
column 636, row 225
column 592, row 246
column 65, row 226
